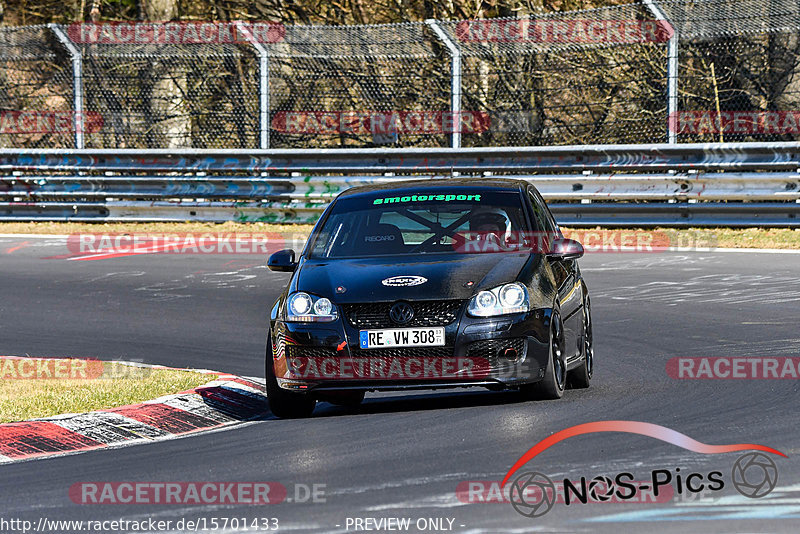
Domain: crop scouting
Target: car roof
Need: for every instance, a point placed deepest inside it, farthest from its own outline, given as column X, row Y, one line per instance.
column 478, row 184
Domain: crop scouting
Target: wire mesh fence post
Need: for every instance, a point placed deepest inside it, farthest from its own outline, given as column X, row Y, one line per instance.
column 77, row 83
column 455, row 91
column 264, row 97
column 263, row 85
column 672, row 86
column 672, row 69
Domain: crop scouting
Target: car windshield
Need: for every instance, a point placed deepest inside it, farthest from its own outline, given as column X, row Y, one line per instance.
column 429, row 221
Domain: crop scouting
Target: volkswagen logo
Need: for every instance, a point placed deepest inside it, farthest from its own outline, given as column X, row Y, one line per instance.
column 401, row 313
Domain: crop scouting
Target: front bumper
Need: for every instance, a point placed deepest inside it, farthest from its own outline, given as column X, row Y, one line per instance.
column 501, row 352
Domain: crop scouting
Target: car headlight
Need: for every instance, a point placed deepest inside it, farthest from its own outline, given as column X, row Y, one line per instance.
column 302, row 307
column 502, row 300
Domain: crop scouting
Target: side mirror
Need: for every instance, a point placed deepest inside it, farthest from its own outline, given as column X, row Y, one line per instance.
column 282, row 261
column 565, row 249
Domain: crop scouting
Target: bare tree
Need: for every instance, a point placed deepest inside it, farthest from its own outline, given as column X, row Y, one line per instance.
column 168, row 90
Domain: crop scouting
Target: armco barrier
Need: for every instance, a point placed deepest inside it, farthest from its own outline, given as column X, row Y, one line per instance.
column 745, row 184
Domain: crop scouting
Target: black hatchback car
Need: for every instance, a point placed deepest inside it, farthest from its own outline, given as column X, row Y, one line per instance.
column 429, row 284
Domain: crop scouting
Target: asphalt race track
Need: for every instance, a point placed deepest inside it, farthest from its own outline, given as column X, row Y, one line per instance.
column 404, row 454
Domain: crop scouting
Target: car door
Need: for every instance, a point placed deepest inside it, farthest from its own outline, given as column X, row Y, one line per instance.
column 565, row 273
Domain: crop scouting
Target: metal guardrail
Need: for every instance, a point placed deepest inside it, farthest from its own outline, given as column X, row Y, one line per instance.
column 655, row 157
column 750, row 186
column 721, row 184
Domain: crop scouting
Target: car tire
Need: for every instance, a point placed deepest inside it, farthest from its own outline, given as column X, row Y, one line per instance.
column 552, row 386
column 342, row 398
column 581, row 377
column 285, row 404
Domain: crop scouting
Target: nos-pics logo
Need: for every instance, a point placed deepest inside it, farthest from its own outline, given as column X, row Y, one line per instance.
column 533, row 494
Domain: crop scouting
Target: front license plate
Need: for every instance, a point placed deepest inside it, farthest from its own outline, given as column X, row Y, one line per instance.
column 401, row 337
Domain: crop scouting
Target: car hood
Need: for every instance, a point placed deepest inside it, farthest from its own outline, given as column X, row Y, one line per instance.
column 448, row 276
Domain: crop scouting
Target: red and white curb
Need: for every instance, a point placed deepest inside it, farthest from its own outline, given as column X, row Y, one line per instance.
column 225, row 402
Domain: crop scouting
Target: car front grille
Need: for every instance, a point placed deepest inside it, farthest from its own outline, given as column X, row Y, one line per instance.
column 304, row 351
column 426, row 313
column 404, row 352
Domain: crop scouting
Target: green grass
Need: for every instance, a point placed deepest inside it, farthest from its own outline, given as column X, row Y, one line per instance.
column 22, row 399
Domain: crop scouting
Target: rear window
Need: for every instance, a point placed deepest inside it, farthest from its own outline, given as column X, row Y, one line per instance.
column 427, row 222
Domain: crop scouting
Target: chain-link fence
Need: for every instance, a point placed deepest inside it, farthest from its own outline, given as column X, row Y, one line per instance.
column 655, row 71
column 35, row 89
column 739, row 60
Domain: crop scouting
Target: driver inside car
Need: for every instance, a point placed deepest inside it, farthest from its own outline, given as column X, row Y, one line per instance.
column 488, row 231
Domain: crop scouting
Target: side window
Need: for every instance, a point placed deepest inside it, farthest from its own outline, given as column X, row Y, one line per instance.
column 550, row 218
column 339, row 234
column 544, row 221
column 541, row 206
